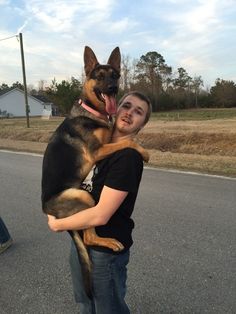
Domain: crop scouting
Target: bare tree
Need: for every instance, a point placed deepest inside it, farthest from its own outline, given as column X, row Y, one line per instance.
column 196, row 83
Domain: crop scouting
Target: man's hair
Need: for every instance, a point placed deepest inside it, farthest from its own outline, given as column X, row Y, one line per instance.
column 143, row 97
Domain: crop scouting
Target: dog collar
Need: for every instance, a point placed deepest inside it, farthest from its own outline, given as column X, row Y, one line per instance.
column 94, row 112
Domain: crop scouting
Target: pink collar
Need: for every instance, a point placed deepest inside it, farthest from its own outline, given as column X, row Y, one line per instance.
column 94, row 112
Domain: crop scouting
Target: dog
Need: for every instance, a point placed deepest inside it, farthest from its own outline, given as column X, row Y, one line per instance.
column 78, row 143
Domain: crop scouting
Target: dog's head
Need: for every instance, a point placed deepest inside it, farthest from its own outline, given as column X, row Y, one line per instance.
column 102, row 81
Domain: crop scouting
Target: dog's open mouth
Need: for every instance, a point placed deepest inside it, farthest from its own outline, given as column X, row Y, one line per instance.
column 110, row 103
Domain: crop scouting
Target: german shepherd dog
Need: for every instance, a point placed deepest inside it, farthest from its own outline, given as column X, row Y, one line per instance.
column 78, row 143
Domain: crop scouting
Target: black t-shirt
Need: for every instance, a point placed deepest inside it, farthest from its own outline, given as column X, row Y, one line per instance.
column 121, row 171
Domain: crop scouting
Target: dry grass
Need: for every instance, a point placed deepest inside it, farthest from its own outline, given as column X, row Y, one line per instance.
column 220, row 165
column 206, row 146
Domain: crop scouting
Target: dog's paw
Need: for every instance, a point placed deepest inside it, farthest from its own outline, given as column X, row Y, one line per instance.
column 146, row 156
column 114, row 245
column 138, row 147
column 144, row 153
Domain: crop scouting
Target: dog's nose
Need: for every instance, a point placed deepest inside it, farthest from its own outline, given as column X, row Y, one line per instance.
column 112, row 89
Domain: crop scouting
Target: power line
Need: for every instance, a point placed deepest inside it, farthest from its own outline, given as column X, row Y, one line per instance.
column 8, row 37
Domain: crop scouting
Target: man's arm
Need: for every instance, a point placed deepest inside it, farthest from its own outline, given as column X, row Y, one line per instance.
column 110, row 200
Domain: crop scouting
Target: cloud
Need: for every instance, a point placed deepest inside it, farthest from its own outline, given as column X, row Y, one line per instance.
column 65, row 16
column 4, row 2
column 195, row 34
column 123, row 25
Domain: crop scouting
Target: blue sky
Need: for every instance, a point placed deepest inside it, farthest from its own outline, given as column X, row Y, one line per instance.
column 196, row 35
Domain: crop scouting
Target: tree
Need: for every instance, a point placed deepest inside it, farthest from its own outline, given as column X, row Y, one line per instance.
column 148, row 69
column 167, row 78
column 125, row 78
column 183, row 80
column 196, row 83
column 181, row 89
column 151, row 71
column 4, row 87
column 17, row 85
column 64, row 94
column 41, row 85
column 223, row 94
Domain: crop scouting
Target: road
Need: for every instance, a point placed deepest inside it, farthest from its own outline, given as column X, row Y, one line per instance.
column 183, row 259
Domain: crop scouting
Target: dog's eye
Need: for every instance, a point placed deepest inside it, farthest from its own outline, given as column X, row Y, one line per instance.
column 115, row 75
column 100, row 76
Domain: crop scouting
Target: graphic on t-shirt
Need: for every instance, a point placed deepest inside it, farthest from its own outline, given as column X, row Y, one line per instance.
column 87, row 184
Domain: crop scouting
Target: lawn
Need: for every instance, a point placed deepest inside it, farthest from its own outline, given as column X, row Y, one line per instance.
column 196, row 114
column 201, row 140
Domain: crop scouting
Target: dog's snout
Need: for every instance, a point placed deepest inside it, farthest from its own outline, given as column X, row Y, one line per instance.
column 113, row 89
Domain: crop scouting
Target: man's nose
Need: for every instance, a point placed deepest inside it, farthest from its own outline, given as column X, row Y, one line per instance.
column 130, row 111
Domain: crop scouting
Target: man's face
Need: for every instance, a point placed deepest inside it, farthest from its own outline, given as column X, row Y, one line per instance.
column 131, row 115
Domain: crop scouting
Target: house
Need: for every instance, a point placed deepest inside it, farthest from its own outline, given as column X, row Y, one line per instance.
column 12, row 104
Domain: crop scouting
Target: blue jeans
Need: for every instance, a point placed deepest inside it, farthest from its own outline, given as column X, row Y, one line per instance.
column 4, row 234
column 109, row 283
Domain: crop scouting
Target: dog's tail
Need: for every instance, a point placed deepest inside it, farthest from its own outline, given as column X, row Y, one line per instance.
column 86, row 266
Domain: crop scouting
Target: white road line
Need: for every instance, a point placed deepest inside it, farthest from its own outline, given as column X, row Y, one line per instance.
column 146, row 167
column 191, row 173
column 20, row 153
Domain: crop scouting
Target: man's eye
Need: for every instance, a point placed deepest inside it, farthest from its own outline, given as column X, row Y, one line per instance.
column 125, row 106
column 139, row 112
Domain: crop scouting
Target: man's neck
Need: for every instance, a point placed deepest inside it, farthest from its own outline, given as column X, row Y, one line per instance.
column 117, row 137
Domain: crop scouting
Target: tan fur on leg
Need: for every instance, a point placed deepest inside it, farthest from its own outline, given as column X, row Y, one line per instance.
column 91, row 238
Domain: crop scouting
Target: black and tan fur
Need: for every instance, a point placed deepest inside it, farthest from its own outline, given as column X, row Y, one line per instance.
column 78, row 143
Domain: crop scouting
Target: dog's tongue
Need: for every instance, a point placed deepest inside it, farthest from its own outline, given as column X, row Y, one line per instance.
column 110, row 104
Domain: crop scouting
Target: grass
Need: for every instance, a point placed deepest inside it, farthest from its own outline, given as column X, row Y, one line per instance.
column 39, row 131
column 188, row 141
column 196, row 114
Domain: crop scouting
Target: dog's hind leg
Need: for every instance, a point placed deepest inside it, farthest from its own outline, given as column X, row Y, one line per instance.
column 91, row 238
column 69, row 202
column 72, row 201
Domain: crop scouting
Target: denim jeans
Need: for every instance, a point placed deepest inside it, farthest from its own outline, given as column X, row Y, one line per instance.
column 4, row 234
column 109, row 283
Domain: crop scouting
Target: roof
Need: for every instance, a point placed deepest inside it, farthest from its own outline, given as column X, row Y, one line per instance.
column 2, row 92
column 40, row 98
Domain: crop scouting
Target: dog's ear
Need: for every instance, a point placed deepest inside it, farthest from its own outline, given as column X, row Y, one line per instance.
column 90, row 60
column 115, row 59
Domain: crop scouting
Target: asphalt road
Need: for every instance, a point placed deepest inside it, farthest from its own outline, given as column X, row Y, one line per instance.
column 183, row 259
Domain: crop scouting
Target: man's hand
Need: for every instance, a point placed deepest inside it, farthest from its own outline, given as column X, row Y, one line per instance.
column 52, row 223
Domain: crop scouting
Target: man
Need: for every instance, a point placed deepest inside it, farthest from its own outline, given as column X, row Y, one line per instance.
column 115, row 186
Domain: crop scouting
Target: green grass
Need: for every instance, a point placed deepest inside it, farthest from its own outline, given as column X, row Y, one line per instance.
column 195, row 114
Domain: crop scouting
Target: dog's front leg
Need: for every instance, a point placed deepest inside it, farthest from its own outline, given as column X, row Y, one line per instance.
column 110, row 148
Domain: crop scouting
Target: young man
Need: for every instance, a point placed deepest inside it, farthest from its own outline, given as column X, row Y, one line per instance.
column 115, row 186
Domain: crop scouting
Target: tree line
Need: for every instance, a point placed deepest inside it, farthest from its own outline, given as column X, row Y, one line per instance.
column 149, row 74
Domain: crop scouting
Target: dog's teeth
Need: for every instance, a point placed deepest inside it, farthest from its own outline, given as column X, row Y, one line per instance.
column 103, row 96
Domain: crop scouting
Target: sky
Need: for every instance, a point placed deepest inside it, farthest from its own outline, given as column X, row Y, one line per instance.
column 196, row 35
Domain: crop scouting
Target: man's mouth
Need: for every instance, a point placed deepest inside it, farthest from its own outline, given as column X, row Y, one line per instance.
column 126, row 120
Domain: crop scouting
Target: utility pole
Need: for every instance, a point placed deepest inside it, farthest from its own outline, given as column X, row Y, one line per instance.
column 24, row 80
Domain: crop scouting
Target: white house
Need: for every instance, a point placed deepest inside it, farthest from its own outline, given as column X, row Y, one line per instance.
column 12, row 103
